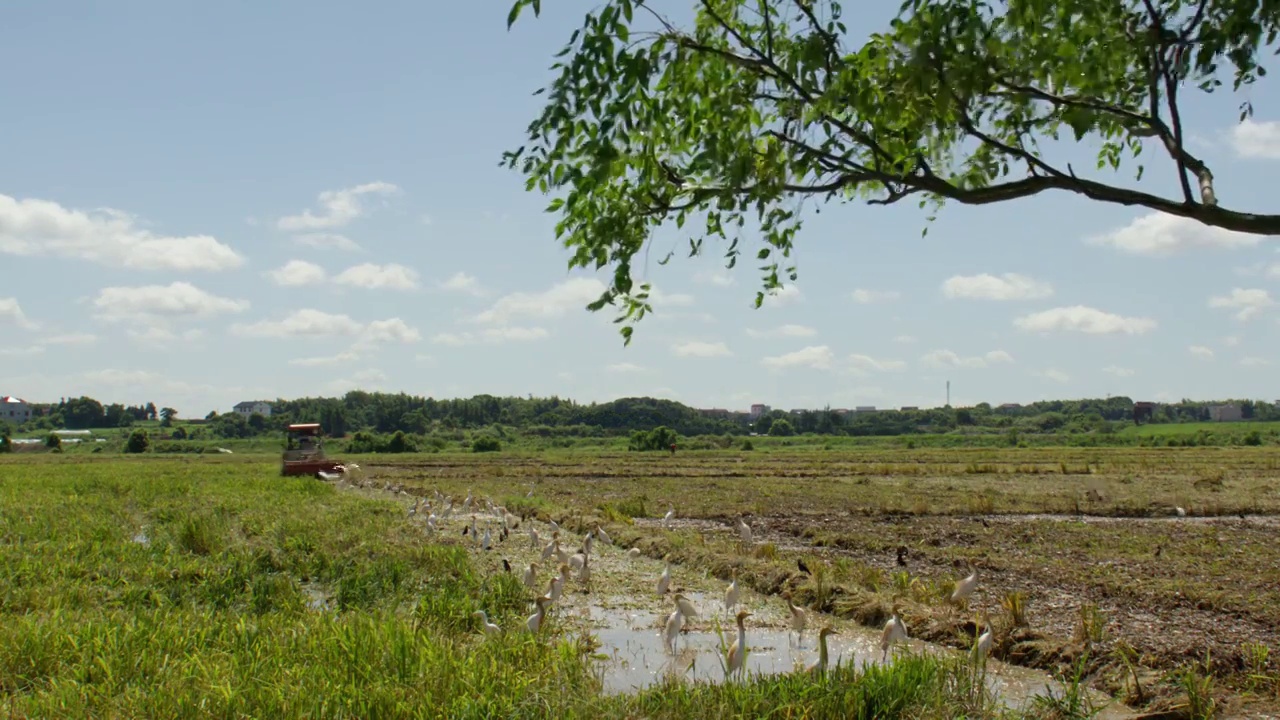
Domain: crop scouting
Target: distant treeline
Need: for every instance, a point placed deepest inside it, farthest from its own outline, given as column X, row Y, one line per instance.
column 386, row 413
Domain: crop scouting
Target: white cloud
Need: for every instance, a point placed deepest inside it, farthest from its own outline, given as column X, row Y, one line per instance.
column 572, row 294
column 297, row 273
column 1273, row 272
column 904, row 339
column 107, row 237
column 327, row 240
column 1009, row 286
column 160, row 303
column 495, row 336
column 818, row 357
column 11, row 312
column 1118, row 371
column 1082, row 319
column 866, row 297
column 461, row 282
column 658, row 298
column 378, row 277
column 161, row 337
column 783, row 331
column 1246, row 303
column 338, row 207
column 21, row 351
column 720, row 278
column 624, row 367
column 785, row 295
column 947, row 358
column 1160, row 234
column 326, row 360
column 70, row 339
column 1252, row 361
column 370, row 379
column 1252, row 139
column 1055, row 375
column 310, row 323
column 701, row 349
column 1201, row 352
column 1231, row 340
column 868, row 363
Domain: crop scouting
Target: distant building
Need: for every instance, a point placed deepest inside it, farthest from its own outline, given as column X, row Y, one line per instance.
column 14, row 410
column 1225, row 413
column 252, row 407
column 865, row 408
column 909, row 408
column 759, row 410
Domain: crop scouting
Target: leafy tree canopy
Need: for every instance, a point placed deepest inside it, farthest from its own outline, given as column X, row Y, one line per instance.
column 758, row 105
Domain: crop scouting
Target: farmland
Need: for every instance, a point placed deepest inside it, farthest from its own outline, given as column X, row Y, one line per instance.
column 207, row 586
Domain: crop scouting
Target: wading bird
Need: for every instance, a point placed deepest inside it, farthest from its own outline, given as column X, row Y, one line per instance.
column 671, row 631
column 965, row 587
column 633, row 553
column 531, row 576
column 744, row 533
column 895, row 630
column 664, row 580
column 738, row 650
column 686, row 607
column 489, row 628
column 798, row 619
column 535, row 620
column 731, row 593
column 820, row 667
column 666, row 519
column 604, row 536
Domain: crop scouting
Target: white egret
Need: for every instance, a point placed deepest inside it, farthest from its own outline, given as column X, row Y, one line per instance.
column 664, row 580
column 820, row 666
column 666, row 519
column 487, row 541
column 798, row 619
column 965, row 587
column 533, row 538
column 535, row 620
column 738, row 650
column 531, row 576
column 686, row 607
column 744, row 532
column 983, row 646
column 732, row 593
column 604, row 536
column 489, row 628
column 895, row 630
column 671, row 633
column 633, row 553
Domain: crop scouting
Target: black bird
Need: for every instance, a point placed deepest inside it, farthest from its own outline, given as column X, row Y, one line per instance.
column 506, row 566
column 902, row 556
column 803, row 568
column 985, row 524
column 465, row 529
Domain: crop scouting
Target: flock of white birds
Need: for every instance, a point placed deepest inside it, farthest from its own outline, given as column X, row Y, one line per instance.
column 576, row 567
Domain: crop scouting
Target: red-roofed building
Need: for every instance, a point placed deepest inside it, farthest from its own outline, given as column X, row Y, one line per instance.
column 14, row 410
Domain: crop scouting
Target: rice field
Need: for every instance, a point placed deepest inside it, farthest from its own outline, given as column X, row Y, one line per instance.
column 211, row 587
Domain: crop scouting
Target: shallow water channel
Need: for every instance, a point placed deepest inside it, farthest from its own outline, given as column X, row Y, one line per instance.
column 624, row 613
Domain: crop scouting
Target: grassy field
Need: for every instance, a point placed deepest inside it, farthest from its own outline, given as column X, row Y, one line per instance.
column 211, row 587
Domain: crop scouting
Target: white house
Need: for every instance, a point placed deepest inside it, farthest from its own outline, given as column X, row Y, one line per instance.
column 14, row 410
column 249, row 407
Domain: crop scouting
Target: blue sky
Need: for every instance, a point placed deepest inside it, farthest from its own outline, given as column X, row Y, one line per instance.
column 206, row 204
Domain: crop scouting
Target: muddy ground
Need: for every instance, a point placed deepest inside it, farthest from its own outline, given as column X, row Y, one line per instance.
column 1154, row 541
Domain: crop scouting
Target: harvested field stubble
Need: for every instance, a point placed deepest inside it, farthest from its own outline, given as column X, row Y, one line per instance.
column 1143, row 562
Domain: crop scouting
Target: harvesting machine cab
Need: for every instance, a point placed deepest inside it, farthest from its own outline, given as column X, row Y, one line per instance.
column 304, row 452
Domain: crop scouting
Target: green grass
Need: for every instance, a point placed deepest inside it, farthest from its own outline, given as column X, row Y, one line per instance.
column 216, row 613
column 1191, row 428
